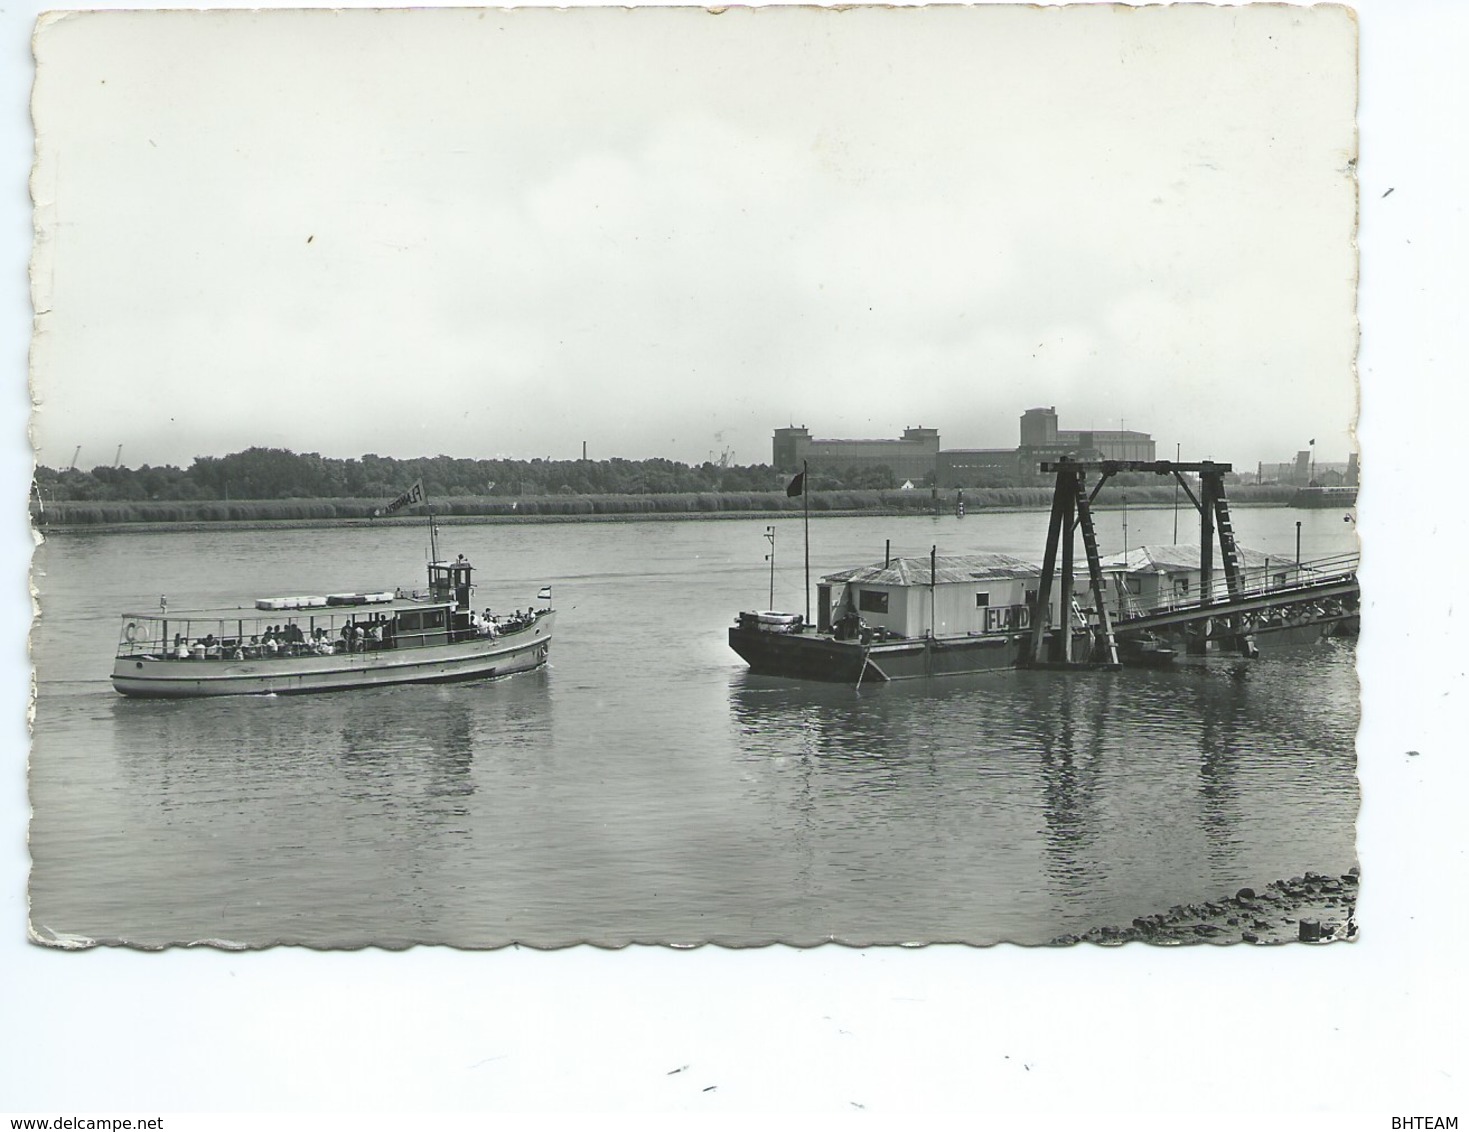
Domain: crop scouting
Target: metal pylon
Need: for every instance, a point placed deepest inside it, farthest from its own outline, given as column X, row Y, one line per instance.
column 1070, row 508
column 1094, row 569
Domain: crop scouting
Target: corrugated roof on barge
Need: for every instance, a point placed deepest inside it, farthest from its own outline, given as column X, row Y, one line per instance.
column 1182, row 557
column 950, row 568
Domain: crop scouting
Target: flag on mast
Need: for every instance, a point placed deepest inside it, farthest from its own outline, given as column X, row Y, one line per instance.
column 797, row 486
column 413, row 495
column 545, row 594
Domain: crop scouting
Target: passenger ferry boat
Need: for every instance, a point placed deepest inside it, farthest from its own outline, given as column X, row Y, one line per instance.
column 331, row 643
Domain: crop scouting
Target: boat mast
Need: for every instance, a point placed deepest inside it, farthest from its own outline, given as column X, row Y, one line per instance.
column 770, row 534
column 933, row 576
column 806, row 499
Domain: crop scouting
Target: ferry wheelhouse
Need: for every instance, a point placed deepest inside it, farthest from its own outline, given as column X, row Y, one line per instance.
column 331, row 643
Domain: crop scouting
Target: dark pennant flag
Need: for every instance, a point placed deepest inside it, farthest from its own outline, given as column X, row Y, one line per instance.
column 797, row 485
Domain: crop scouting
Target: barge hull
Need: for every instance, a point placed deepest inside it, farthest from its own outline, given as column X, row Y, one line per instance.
column 812, row 656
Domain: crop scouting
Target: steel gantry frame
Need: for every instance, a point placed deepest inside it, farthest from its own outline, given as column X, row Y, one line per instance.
column 1071, row 508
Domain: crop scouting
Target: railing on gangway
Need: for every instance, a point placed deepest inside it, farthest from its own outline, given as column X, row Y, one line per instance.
column 1256, row 581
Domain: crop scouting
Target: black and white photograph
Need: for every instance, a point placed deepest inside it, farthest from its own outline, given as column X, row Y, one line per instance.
column 787, row 481
column 412, row 386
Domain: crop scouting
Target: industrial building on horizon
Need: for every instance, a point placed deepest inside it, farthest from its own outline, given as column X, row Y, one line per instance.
column 912, row 457
column 1304, row 471
column 917, row 455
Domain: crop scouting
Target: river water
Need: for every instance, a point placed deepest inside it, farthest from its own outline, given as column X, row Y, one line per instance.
column 643, row 787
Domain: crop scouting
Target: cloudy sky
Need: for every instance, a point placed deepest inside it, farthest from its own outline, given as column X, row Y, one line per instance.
column 666, row 232
column 1380, row 1007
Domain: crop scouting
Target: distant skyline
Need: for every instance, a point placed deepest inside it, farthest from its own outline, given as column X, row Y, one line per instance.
column 86, row 462
column 503, row 234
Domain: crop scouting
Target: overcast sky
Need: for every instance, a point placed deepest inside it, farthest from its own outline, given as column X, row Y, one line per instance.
column 667, row 232
column 1386, row 1006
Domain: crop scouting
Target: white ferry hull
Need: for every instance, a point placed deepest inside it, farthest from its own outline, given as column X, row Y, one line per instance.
column 480, row 658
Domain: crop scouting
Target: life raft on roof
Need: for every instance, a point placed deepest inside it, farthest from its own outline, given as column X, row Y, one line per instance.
column 275, row 603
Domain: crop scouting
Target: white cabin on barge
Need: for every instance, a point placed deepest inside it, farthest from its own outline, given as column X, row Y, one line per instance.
column 944, row 596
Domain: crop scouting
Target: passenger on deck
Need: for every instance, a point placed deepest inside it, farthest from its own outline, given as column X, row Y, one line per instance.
column 180, row 647
column 197, row 650
column 252, row 650
column 211, row 648
column 270, row 645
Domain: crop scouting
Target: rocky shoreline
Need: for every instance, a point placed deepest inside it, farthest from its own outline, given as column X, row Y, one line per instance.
column 1312, row 908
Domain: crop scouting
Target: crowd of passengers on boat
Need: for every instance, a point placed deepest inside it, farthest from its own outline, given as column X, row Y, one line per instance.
column 290, row 640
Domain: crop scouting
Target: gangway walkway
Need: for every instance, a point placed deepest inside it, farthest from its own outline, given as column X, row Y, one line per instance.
column 1328, row 580
column 1319, row 594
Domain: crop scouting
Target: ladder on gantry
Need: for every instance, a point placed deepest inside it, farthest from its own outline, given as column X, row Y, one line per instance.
column 1071, row 509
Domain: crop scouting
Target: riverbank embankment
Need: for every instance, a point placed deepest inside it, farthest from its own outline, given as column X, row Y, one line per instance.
column 175, row 515
column 1312, row 908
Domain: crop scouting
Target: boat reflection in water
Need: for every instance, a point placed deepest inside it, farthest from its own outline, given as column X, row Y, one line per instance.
column 1038, row 803
column 390, row 783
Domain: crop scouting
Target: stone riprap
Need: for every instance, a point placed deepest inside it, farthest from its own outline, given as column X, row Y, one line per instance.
column 1314, row 908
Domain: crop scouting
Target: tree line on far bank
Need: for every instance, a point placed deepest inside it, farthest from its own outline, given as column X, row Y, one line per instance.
column 273, row 485
column 279, row 474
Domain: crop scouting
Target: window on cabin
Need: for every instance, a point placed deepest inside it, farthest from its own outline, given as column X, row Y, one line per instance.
column 981, row 600
column 872, row 601
column 1180, row 587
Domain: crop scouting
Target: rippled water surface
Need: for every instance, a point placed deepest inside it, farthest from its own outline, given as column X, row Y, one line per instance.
column 643, row 787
